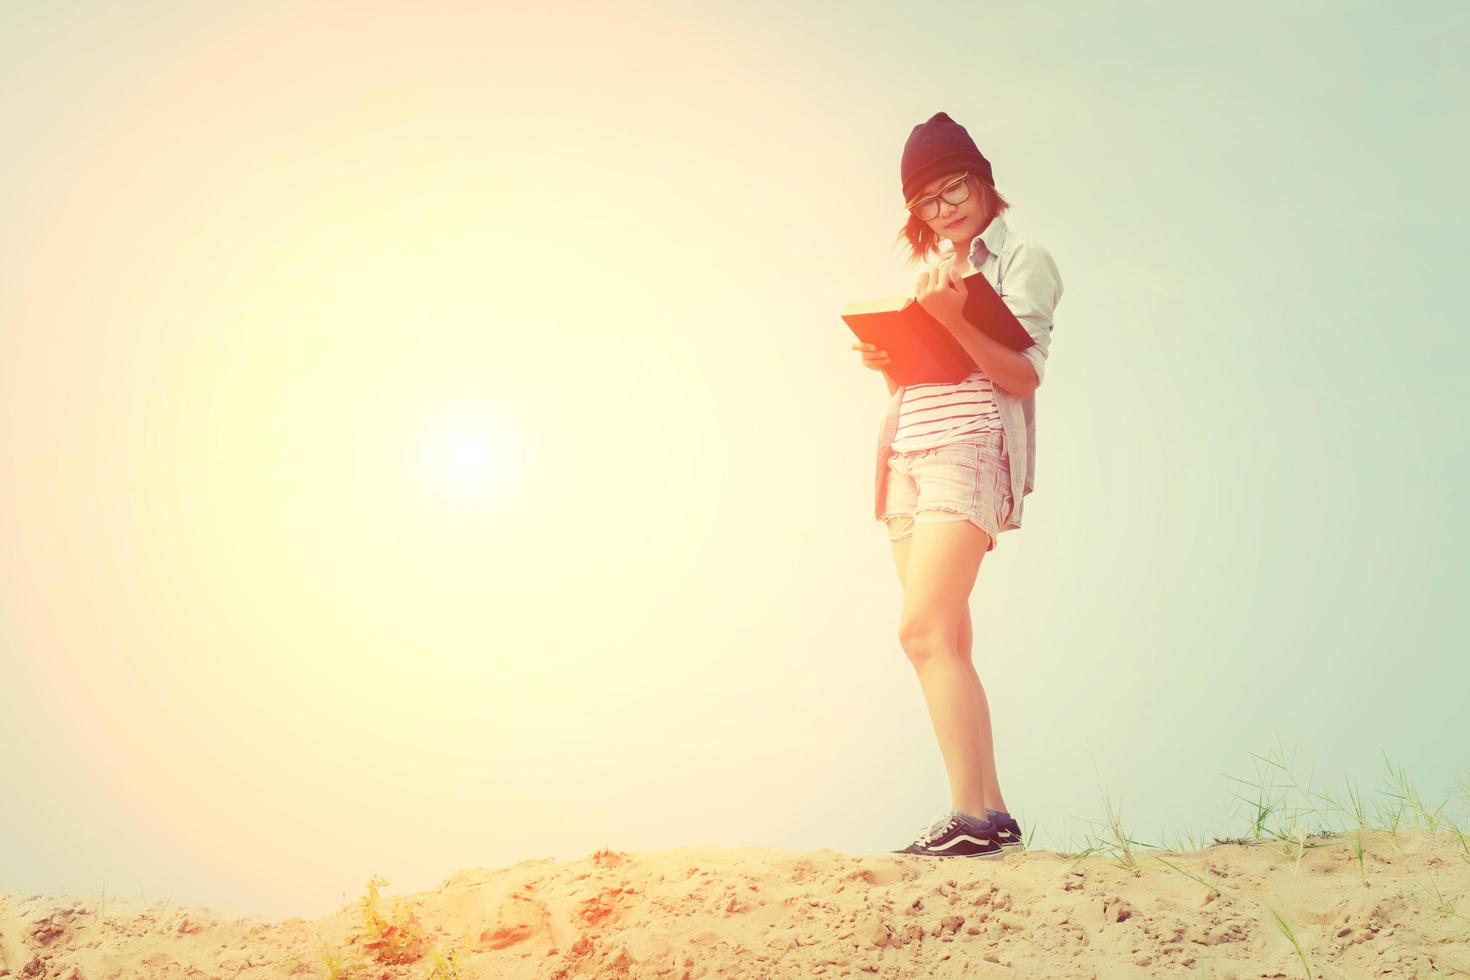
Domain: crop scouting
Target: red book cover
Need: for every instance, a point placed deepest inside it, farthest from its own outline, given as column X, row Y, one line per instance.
column 921, row 350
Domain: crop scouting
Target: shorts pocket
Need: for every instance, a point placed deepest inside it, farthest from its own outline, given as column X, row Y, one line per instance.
column 988, row 446
column 964, row 454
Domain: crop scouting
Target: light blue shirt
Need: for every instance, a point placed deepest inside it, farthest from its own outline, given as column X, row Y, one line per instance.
column 1026, row 277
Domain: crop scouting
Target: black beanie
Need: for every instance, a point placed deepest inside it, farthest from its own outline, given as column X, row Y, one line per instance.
column 938, row 146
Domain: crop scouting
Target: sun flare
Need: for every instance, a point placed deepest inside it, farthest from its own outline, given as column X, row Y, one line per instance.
column 468, row 456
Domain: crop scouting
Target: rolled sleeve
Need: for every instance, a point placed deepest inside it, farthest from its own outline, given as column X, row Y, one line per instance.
column 1031, row 287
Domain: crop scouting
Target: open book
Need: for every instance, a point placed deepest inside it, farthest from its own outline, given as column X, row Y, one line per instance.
column 921, row 350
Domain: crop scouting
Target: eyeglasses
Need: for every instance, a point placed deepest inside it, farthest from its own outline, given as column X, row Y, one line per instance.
column 956, row 191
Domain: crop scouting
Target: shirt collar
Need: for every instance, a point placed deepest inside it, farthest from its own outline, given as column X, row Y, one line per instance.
column 989, row 240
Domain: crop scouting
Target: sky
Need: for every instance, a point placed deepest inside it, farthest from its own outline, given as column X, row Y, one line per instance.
column 429, row 440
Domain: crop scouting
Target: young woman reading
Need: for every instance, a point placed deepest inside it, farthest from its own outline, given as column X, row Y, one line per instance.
column 955, row 461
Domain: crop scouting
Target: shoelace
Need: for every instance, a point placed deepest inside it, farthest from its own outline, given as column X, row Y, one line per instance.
column 937, row 829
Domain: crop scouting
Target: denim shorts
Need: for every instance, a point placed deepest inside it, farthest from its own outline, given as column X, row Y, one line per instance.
column 965, row 480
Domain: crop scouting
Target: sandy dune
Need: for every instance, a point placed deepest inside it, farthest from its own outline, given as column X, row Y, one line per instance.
column 705, row 911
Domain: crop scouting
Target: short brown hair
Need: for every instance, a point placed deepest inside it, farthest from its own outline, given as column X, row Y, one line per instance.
column 922, row 240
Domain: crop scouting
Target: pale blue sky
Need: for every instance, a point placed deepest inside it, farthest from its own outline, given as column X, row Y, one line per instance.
column 1248, row 527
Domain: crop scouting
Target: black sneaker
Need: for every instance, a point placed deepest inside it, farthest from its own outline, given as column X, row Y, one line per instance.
column 956, row 834
column 1007, row 832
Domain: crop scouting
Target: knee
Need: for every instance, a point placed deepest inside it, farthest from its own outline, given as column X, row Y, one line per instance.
column 925, row 639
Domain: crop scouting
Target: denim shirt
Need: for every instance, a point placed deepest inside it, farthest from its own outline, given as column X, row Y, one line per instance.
column 1026, row 277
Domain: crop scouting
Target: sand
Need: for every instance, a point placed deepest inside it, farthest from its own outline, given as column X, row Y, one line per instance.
column 749, row 912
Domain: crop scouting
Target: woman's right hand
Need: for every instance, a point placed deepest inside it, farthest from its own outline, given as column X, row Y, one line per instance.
column 872, row 356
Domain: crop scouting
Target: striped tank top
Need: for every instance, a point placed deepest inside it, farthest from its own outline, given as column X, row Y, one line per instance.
column 935, row 414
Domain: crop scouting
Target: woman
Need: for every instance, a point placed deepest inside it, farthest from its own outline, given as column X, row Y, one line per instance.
column 955, row 461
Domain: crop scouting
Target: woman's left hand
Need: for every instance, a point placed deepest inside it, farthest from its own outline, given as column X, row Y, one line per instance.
column 941, row 292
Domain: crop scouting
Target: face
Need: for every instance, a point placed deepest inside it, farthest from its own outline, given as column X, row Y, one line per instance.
column 957, row 222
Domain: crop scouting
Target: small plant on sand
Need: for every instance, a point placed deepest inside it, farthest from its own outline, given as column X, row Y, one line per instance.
column 1464, row 843
column 1359, row 812
column 1076, row 856
column 1355, row 843
column 1401, row 789
column 1213, row 886
column 1183, row 841
column 1261, row 808
column 1289, row 831
column 447, row 968
column 1290, row 934
column 1118, row 842
column 397, row 939
column 164, row 908
column 1443, row 905
column 392, row 940
column 335, row 968
column 1121, row 842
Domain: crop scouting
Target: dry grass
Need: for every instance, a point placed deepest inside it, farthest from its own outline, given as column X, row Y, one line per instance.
column 1282, row 812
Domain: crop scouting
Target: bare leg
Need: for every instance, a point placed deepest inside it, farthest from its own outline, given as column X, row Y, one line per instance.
column 937, row 568
column 989, row 779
